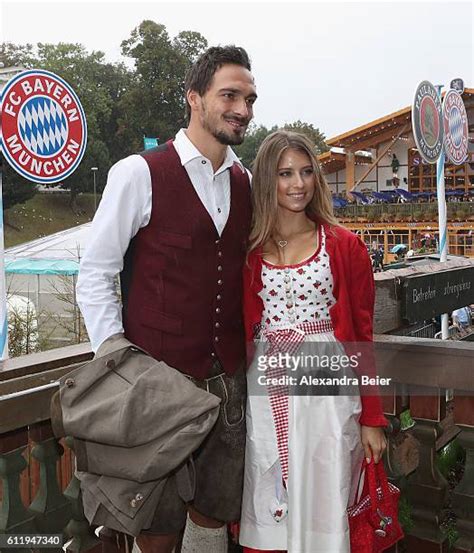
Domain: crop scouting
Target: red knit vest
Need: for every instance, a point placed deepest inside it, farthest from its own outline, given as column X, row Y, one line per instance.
column 182, row 283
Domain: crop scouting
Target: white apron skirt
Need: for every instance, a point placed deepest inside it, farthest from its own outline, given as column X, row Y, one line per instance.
column 324, row 459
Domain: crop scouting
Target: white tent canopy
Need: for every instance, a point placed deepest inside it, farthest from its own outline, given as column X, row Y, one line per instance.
column 66, row 245
column 44, row 272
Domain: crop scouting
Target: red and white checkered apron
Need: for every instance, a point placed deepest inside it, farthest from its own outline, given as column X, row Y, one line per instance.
column 286, row 340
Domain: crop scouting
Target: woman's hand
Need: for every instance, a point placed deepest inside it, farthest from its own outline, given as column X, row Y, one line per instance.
column 374, row 442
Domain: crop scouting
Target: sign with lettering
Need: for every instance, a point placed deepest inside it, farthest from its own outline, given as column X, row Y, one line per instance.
column 427, row 122
column 426, row 296
column 44, row 131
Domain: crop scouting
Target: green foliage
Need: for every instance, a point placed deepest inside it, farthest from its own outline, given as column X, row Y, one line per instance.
column 451, row 535
column 404, row 515
column 16, row 189
column 449, row 456
column 247, row 151
column 154, row 103
column 16, row 55
column 314, row 134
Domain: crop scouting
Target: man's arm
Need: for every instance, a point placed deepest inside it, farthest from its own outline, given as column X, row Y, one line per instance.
column 124, row 209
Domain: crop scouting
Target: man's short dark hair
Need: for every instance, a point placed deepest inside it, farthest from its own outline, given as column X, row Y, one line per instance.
column 199, row 76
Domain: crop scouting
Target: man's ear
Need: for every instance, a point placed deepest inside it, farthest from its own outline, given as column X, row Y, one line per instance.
column 194, row 99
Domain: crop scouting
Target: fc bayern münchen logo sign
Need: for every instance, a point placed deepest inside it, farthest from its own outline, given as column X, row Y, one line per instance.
column 44, row 131
column 456, row 132
column 427, row 122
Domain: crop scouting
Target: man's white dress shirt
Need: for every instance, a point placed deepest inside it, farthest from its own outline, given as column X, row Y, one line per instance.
column 125, row 208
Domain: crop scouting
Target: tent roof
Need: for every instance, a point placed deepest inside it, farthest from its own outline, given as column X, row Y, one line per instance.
column 66, row 244
column 57, row 253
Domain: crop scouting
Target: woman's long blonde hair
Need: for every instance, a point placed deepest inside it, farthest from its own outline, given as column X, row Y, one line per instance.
column 264, row 189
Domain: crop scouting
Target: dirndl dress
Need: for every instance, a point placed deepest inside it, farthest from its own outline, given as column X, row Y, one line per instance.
column 296, row 495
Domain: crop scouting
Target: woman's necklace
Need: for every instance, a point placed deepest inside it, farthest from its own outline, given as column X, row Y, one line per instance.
column 283, row 242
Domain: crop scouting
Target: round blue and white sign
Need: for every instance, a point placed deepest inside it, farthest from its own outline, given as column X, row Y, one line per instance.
column 44, row 130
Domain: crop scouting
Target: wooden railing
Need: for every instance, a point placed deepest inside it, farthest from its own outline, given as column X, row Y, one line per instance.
column 41, row 494
column 422, row 370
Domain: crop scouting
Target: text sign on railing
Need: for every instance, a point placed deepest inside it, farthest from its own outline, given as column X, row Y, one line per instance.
column 426, row 296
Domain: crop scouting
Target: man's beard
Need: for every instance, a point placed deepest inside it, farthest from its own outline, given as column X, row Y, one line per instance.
column 223, row 137
column 228, row 139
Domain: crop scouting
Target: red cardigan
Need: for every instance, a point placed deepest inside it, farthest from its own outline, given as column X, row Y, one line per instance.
column 351, row 315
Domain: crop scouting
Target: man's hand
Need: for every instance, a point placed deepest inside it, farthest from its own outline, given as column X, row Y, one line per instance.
column 374, row 442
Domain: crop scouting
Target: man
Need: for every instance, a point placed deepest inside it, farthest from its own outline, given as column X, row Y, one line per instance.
column 174, row 222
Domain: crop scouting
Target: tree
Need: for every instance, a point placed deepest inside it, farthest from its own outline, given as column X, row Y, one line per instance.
column 247, row 151
column 154, row 103
column 84, row 71
column 12, row 55
column 314, row 134
column 16, row 189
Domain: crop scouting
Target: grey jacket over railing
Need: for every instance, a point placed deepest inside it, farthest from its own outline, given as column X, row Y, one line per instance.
column 135, row 420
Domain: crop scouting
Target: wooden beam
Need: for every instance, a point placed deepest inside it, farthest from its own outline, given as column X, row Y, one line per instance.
column 45, row 360
column 425, row 363
column 350, row 171
column 342, row 139
column 373, row 140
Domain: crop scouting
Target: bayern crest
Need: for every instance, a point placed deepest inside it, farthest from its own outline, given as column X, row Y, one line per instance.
column 456, row 132
column 44, row 130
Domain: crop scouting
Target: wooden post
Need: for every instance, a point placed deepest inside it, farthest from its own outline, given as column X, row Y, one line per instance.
column 78, row 530
column 350, row 171
column 51, row 508
column 14, row 517
column 427, row 490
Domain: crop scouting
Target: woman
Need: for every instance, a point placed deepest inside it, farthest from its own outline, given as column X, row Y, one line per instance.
column 307, row 279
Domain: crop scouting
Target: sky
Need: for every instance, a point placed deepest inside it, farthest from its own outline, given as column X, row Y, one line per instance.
column 337, row 65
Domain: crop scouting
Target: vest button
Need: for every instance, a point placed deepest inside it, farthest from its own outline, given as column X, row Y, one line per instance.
column 219, row 254
column 217, row 241
column 218, row 309
column 219, row 282
column 219, row 267
column 217, row 325
column 213, row 354
column 216, row 338
column 218, row 297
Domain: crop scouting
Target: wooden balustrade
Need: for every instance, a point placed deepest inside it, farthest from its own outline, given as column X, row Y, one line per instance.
column 40, row 492
column 422, row 370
